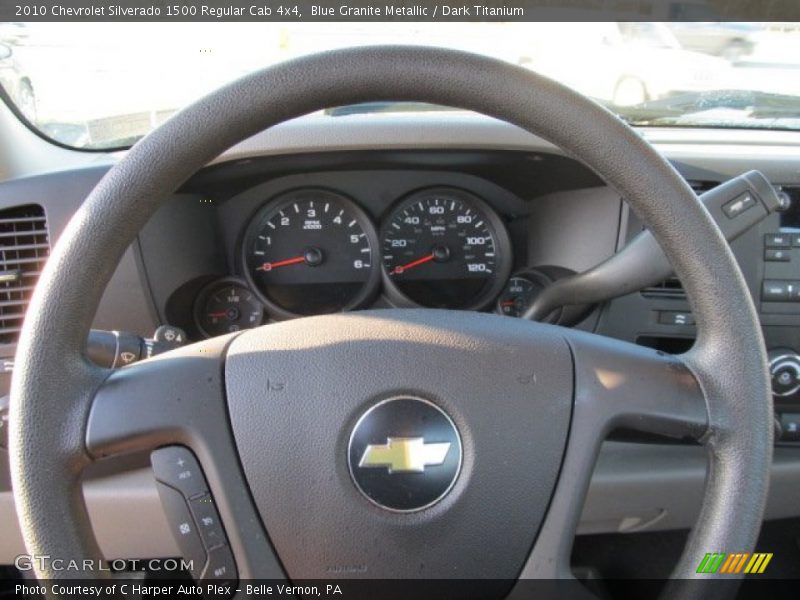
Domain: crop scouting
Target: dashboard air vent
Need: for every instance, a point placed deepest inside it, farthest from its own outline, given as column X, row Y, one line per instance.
column 24, row 247
column 672, row 288
column 669, row 288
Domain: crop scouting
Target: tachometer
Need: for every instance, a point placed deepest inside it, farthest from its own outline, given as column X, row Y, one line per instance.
column 311, row 251
column 445, row 248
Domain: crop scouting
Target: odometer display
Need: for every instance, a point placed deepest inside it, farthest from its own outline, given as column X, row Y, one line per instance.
column 445, row 248
column 311, row 252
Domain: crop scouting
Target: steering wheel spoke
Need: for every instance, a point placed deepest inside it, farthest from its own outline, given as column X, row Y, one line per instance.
column 175, row 404
column 175, row 398
column 617, row 386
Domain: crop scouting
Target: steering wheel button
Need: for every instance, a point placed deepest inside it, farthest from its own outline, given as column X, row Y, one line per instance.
column 177, row 467
column 208, row 522
column 183, row 528
column 220, row 567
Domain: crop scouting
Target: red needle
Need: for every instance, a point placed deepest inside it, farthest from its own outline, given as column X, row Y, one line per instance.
column 508, row 303
column 217, row 315
column 414, row 263
column 281, row 263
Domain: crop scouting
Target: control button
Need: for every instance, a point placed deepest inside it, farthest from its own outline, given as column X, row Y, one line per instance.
column 785, row 377
column 738, row 205
column 777, row 240
column 674, row 317
column 207, row 519
column 796, row 240
column 169, row 334
column 775, row 291
column 777, row 255
column 129, row 349
column 784, row 370
column 220, row 565
column 177, row 467
column 790, row 423
column 784, row 201
column 183, row 528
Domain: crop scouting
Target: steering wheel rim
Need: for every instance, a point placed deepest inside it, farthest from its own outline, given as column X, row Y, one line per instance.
column 54, row 385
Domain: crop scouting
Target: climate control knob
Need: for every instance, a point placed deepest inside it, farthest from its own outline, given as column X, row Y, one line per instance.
column 784, row 368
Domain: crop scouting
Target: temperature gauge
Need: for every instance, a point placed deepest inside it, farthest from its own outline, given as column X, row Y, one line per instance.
column 227, row 306
column 517, row 296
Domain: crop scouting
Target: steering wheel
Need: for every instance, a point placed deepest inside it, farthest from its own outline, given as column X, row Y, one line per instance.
column 408, row 443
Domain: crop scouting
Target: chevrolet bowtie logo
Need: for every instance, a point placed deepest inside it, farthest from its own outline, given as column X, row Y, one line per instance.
column 404, row 455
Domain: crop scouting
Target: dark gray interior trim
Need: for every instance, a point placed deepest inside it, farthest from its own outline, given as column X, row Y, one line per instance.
column 652, row 487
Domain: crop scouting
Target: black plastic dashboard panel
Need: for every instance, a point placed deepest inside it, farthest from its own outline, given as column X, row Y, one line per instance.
column 526, row 174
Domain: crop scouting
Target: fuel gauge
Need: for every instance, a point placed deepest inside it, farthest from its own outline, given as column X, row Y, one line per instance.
column 227, row 306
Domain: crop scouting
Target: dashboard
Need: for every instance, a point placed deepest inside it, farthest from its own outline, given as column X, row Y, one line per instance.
column 383, row 230
column 314, row 250
column 325, row 215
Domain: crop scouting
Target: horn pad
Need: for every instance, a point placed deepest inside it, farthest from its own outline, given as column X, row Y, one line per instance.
column 300, row 393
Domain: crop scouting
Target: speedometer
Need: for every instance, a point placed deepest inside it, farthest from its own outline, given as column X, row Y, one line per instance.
column 311, row 251
column 444, row 248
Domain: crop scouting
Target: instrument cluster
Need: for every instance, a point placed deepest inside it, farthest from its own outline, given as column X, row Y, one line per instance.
column 314, row 251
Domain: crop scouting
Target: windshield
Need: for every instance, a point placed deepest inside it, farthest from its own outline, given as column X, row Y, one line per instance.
column 105, row 85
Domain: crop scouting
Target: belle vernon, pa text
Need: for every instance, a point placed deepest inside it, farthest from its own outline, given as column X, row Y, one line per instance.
column 155, row 590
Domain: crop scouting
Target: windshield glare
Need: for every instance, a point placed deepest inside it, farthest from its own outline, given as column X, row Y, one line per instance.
column 105, row 85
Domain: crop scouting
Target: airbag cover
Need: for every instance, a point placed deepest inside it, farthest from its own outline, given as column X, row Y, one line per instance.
column 297, row 389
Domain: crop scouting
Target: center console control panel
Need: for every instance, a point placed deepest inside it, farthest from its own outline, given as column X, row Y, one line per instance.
column 784, row 369
column 779, row 301
column 780, row 283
